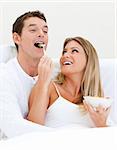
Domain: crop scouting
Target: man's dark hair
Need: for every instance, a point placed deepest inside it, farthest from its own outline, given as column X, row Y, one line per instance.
column 19, row 23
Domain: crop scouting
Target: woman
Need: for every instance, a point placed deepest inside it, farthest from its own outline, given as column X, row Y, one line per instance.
column 59, row 103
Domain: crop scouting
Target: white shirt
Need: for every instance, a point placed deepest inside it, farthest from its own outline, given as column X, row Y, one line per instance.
column 15, row 86
column 65, row 113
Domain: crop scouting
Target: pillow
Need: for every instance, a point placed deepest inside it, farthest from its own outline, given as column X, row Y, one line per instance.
column 108, row 71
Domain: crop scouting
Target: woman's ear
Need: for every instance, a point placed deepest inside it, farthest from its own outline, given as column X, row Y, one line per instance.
column 16, row 38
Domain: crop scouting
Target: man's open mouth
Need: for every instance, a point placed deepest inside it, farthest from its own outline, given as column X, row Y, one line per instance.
column 39, row 44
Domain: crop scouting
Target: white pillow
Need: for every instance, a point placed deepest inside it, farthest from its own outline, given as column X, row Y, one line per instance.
column 108, row 70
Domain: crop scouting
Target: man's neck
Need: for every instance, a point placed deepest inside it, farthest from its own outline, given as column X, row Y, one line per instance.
column 30, row 66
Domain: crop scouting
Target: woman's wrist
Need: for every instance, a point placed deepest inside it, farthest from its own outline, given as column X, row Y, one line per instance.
column 42, row 85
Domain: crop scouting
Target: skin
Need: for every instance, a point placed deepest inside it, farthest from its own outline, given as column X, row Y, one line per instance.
column 44, row 94
column 34, row 30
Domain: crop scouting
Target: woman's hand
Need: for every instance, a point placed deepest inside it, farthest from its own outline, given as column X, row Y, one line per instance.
column 45, row 69
column 98, row 115
column 39, row 97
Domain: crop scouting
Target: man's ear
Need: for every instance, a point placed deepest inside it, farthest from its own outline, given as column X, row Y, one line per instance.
column 16, row 38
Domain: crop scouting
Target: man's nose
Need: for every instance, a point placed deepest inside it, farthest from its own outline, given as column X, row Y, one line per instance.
column 40, row 33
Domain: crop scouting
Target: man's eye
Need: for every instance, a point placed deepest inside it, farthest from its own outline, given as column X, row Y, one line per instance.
column 64, row 52
column 32, row 30
column 45, row 31
column 75, row 50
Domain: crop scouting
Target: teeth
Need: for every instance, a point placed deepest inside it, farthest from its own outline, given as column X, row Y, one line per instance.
column 67, row 63
column 39, row 45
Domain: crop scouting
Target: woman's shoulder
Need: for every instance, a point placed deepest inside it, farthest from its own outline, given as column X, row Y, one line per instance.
column 52, row 87
column 52, row 91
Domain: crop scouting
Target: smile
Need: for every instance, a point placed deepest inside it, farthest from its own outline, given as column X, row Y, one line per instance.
column 67, row 63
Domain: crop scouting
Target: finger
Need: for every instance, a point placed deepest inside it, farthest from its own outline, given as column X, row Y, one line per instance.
column 100, row 109
column 42, row 66
column 43, row 59
column 85, row 105
column 47, row 62
column 108, row 110
column 89, row 108
column 47, row 66
column 52, row 65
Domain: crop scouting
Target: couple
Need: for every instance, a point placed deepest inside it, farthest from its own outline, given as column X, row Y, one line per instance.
column 26, row 103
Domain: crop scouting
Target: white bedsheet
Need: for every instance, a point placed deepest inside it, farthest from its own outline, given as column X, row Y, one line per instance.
column 66, row 138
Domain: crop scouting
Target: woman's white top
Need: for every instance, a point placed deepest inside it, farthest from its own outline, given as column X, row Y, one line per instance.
column 63, row 113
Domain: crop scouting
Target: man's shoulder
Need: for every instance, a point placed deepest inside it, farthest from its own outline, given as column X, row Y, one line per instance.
column 7, row 68
column 8, row 76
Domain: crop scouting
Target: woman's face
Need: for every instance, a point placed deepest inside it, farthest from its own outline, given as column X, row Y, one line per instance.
column 73, row 59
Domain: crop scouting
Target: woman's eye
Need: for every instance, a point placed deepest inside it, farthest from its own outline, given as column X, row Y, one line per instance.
column 75, row 50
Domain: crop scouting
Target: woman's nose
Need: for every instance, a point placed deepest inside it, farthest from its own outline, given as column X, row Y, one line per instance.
column 67, row 54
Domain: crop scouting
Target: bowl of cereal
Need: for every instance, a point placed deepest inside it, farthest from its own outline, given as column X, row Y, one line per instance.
column 98, row 101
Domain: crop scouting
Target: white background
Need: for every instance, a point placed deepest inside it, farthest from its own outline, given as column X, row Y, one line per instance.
column 93, row 20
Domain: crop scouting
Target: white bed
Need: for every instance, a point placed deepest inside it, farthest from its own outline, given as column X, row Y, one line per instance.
column 68, row 138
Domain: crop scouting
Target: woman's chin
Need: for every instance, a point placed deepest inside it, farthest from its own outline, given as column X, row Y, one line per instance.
column 67, row 72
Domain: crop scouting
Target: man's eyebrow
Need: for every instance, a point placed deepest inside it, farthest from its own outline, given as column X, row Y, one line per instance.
column 32, row 25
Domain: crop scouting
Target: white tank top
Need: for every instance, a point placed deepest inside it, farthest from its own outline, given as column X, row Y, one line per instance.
column 63, row 113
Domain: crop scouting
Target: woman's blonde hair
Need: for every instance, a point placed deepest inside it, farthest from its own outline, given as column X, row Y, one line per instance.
column 91, row 83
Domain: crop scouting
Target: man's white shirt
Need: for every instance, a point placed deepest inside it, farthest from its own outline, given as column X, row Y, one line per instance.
column 15, row 87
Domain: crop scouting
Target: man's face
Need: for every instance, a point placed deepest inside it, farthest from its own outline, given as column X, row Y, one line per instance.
column 35, row 30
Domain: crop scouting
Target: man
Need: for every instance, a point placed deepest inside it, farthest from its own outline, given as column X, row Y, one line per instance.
column 17, row 77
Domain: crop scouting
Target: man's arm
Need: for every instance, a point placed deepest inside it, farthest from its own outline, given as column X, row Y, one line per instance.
column 12, row 122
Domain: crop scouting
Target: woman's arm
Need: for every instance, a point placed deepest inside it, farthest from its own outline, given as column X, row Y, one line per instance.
column 39, row 97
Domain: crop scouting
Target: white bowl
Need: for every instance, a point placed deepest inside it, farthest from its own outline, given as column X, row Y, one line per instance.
column 96, row 101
